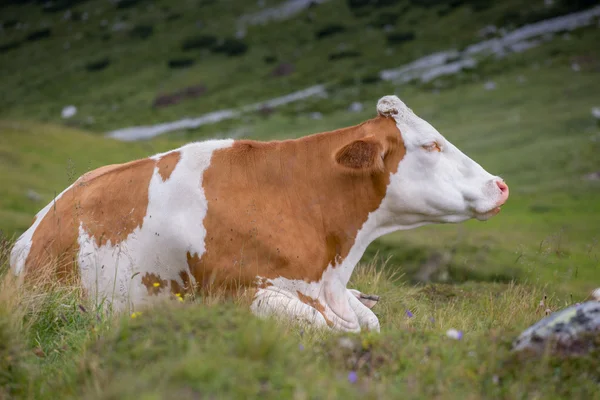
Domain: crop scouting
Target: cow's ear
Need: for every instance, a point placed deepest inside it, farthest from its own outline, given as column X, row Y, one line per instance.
column 365, row 154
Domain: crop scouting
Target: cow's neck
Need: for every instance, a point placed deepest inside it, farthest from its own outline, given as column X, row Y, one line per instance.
column 345, row 206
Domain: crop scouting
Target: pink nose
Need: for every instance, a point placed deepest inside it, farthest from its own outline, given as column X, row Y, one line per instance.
column 503, row 192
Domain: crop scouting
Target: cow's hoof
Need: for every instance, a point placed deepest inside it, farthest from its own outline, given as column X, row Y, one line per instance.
column 368, row 300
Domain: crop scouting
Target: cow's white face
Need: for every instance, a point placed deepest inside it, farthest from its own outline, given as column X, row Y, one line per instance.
column 436, row 182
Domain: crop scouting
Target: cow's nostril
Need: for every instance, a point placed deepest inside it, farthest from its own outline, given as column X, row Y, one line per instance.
column 502, row 186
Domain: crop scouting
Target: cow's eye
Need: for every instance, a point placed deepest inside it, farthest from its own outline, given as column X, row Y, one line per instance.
column 433, row 146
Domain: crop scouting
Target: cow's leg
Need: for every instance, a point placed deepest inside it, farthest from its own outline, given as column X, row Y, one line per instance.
column 362, row 307
column 277, row 302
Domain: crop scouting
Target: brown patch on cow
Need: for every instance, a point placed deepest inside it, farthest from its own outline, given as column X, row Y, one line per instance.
column 110, row 202
column 314, row 303
column 176, row 288
column 287, row 208
column 153, row 283
column 167, row 164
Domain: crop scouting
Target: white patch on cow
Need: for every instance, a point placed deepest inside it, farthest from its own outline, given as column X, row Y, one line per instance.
column 435, row 186
column 173, row 226
column 277, row 302
column 341, row 307
column 22, row 247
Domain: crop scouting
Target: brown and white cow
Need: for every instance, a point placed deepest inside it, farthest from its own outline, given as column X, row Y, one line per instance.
column 289, row 219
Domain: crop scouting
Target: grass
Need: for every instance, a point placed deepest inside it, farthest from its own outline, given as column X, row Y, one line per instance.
column 487, row 279
column 204, row 348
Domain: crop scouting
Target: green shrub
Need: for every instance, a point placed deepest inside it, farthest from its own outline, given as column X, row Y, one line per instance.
column 400, row 37
column 198, row 42
column 329, row 30
column 142, row 31
column 231, row 47
column 181, row 62
column 98, row 65
column 39, row 35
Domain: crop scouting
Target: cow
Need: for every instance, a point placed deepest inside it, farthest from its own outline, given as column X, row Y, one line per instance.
column 287, row 220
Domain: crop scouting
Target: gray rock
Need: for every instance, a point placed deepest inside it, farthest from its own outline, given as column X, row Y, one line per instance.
column 573, row 330
column 356, row 106
column 487, row 31
column 594, row 176
column 33, row 195
column 490, row 85
column 119, row 26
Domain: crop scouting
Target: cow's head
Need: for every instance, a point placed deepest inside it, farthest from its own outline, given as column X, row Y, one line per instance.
column 435, row 182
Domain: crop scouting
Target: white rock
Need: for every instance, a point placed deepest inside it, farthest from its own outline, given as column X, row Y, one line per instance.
column 575, row 67
column 596, row 112
column 490, row 85
column 69, row 111
column 315, row 115
column 356, row 106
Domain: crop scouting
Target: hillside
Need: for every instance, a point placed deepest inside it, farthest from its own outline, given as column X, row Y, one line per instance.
column 112, row 59
column 521, row 107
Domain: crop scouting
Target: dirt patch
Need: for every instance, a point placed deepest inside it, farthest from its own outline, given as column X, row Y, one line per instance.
column 170, row 99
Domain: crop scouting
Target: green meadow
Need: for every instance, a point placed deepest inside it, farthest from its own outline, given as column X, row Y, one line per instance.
column 486, row 279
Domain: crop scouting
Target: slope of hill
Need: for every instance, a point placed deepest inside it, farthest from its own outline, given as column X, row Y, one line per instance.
column 113, row 59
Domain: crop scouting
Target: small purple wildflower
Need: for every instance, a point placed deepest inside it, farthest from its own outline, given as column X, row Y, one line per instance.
column 352, row 377
column 432, row 320
column 409, row 314
column 301, row 346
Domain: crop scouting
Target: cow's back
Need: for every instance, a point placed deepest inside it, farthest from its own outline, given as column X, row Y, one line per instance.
column 126, row 226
